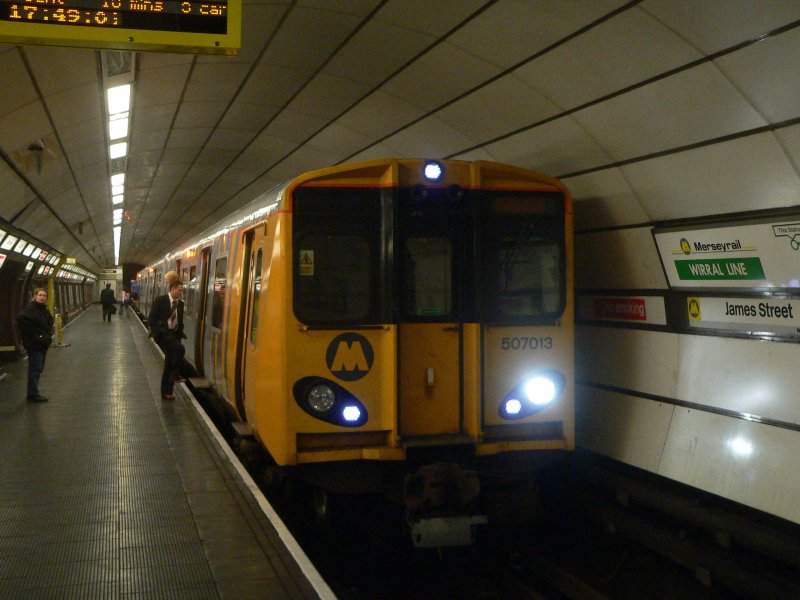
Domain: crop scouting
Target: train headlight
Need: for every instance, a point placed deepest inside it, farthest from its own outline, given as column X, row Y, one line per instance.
column 540, row 390
column 351, row 413
column 328, row 401
column 321, row 397
column 433, row 171
column 533, row 394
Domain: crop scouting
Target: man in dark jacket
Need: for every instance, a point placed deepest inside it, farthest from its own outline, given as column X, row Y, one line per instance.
column 166, row 328
column 36, row 326
column 107, row 300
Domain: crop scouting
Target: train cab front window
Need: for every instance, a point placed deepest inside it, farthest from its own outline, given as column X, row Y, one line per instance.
column 524, row 256
column 337, row 258
column 333, row 277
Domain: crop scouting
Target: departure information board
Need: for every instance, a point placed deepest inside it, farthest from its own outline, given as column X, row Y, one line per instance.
column 209, row 27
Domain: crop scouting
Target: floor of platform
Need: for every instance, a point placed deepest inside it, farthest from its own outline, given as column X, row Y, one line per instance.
column 107, row 491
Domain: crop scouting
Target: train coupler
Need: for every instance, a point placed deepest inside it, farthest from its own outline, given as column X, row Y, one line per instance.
column 441, row 503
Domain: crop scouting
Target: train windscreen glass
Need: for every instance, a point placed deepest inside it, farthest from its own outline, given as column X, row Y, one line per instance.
column 524, row 256
column 336, row 249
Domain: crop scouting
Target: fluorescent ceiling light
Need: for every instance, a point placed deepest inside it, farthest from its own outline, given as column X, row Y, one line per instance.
column 119, row 99
column 117, row 199
column 118, row 128
column 117, row 189
column 117, row 235
column 117, row 212
column 118, row 150
column 118, row 179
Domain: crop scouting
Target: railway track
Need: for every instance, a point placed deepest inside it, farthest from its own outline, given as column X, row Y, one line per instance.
column 594, row 543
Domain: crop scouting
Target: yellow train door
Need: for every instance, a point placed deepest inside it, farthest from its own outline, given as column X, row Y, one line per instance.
column 430, row 378
column 247, row 350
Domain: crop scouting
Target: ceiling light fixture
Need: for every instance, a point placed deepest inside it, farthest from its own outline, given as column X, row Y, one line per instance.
column 118, row 75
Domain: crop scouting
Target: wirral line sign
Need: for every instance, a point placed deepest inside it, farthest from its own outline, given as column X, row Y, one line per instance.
column 762, row 255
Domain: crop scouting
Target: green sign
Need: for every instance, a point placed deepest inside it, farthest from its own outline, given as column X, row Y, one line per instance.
column 720, row 269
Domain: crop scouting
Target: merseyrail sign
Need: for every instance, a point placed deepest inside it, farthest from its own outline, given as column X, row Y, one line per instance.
column 205, row 27
column 755, row 255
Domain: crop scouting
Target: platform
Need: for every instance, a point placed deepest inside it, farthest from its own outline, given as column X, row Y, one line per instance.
column 107, row 491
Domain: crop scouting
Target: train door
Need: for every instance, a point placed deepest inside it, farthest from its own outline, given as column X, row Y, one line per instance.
column 431, row 252
column 253, row 352
column 202, row 299
column 241, row 328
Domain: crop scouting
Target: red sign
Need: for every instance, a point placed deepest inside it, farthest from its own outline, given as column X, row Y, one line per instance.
column 2, row 260
column 629, row 309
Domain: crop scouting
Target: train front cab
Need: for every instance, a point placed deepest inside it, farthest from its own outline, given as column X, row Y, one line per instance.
column 431, row 314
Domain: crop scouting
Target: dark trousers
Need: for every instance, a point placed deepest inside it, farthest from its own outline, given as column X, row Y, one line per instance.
column 107, row 311
column 35, row 368
column 173, row 361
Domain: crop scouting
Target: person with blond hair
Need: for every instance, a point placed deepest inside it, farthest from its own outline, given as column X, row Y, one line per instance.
column 166, row 328
column 36, row 327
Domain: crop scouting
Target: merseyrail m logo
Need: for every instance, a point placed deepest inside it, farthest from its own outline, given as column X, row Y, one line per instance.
column 349, row 356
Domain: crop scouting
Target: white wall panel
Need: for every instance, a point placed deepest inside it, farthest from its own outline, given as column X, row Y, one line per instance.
column 561, row 146
column 789, row 138
column 439, row 75
column 620, row 52
column 512, row 30
column 773, row 86
column 620, row 259
column 503, row 106
column 746, row 376
column 714, row 25
column 632, row 430
column 604, row 198
column 745, row 174
column 748, row 462
column 692, row 106
column 16, row 88
column 634, row 359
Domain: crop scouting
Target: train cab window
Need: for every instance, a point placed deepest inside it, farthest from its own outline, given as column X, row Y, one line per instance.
column 337, row 259
column 218, row 298
column 524, row 256
column 256, row 283
column 333, row 278
column 427, row 276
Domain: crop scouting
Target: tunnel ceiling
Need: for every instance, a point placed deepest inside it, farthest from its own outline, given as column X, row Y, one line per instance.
column 649, row 111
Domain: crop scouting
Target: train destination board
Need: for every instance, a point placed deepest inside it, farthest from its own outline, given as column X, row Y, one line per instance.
column 207, row 27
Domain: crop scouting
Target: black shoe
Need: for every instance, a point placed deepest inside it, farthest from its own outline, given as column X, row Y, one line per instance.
column 37, row 399
column 168, row 396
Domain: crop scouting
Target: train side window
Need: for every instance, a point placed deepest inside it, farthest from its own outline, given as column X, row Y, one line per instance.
column 191, row 289
column 218, row 299
column 333, row 281
column 256, row 296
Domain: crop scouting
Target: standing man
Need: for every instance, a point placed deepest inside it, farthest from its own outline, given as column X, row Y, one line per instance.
column 36, row 326
column 107, row 300
column 166, row 328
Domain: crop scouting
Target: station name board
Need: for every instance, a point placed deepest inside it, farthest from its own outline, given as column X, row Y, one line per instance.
column 212, row 27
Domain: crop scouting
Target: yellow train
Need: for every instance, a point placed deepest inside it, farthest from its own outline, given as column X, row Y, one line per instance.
column 390, row 312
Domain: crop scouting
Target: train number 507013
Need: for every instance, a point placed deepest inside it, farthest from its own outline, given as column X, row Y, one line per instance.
column 526, row 343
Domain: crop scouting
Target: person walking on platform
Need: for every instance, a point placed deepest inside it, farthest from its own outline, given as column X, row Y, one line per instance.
column 126, row 300
column 36, row 326
column 166, row 328
column 108, row 300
